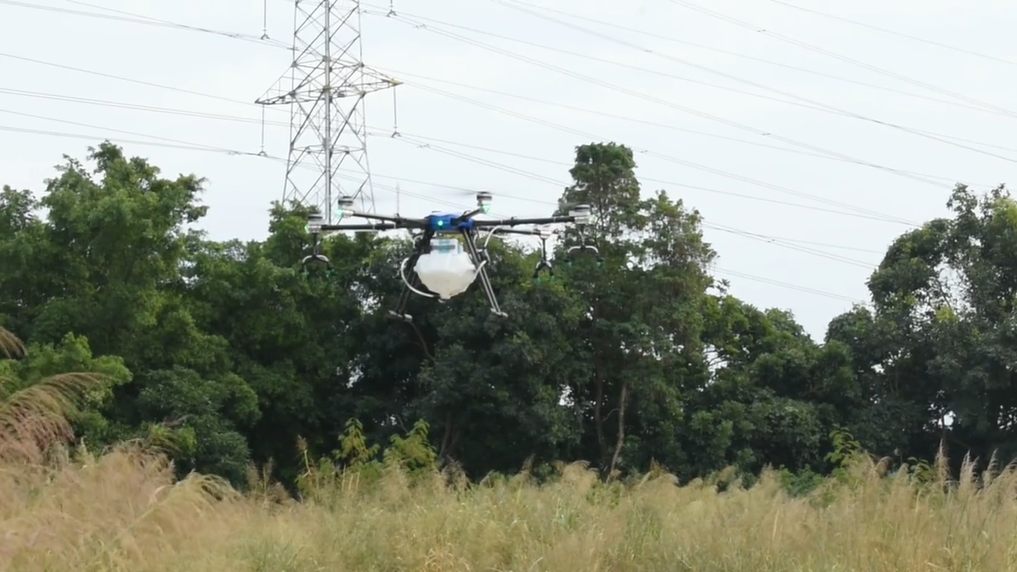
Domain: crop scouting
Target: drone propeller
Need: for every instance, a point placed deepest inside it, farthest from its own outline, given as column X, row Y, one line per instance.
column 483, row 198
column 569, row 206
column 544, row 231
column 346, row 202
column 468, row 192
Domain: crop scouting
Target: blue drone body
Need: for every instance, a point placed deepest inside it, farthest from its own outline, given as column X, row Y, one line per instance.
column 449, row 223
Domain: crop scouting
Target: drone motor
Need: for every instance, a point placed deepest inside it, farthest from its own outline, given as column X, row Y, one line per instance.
column 484, row 200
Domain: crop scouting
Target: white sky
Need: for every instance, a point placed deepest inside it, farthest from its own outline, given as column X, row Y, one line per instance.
column 241, row 187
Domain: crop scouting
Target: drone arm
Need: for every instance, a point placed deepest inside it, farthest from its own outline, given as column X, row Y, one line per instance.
column 497, row 230
column 510, row 222
column 340, row 227
column 398, row 221
column 411, row 284
column 473, row 213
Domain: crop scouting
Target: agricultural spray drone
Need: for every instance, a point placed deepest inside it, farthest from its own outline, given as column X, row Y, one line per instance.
column 441, row 266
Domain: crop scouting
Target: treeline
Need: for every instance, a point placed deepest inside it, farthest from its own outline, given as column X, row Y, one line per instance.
column 227, row 353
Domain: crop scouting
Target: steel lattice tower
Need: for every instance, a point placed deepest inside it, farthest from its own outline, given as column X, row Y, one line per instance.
column 325, row 88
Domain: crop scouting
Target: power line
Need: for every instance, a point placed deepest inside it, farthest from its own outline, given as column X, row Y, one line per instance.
column 852, row 61
column 950, row 180
column 874, row 214
column 824, row 153
column 817, row 105
column 223, row 117
column 125, row 79
column 787, row 244
column 132, row 18
column 898, row 34
column 558, row 184
column 140, row 107
column 187, row 91
column 186, row 147
column 696, row 112
column 790, row 286
column 133, row 133
column 721, row 50
column 632, row 67
column 777, row 241
column 419, row 137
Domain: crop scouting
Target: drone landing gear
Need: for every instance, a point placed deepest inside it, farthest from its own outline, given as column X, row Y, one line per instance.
column 315, row 259
column 584, row 249
column 546, row 267
column 480, row 261
column 411, row 285
column 543, row 264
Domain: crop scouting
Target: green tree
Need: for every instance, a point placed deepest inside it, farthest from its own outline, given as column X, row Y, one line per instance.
column 644, row 298
column 945, row 323
column 774, row 395
column 292, row 338
column 106, row 263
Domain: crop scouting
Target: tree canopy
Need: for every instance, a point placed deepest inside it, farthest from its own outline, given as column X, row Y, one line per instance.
column 233, row 355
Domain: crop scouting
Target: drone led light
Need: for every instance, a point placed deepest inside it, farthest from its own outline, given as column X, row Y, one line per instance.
column 446, row 270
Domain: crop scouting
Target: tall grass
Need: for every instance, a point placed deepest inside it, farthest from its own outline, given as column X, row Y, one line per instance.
column 123, row 511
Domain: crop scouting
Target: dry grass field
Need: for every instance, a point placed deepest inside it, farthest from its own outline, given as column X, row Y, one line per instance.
column 123, row 511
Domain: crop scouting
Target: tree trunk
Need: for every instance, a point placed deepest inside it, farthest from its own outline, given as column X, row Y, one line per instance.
column 622, row 402
column 598, row 416
column 446, row 437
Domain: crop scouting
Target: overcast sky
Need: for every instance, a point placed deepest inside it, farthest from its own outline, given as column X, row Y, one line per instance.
column 762, row 135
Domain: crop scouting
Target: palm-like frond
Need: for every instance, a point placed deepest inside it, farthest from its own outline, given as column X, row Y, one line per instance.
column 38, row 415
column 11, row 346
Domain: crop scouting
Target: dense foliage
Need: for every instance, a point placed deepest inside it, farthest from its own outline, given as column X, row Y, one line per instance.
column 229, row 353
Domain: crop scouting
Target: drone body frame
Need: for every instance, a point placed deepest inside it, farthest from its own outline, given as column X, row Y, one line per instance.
column 435, row 225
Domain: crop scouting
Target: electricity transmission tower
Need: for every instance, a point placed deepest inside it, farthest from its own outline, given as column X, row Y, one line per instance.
column 325, row 89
